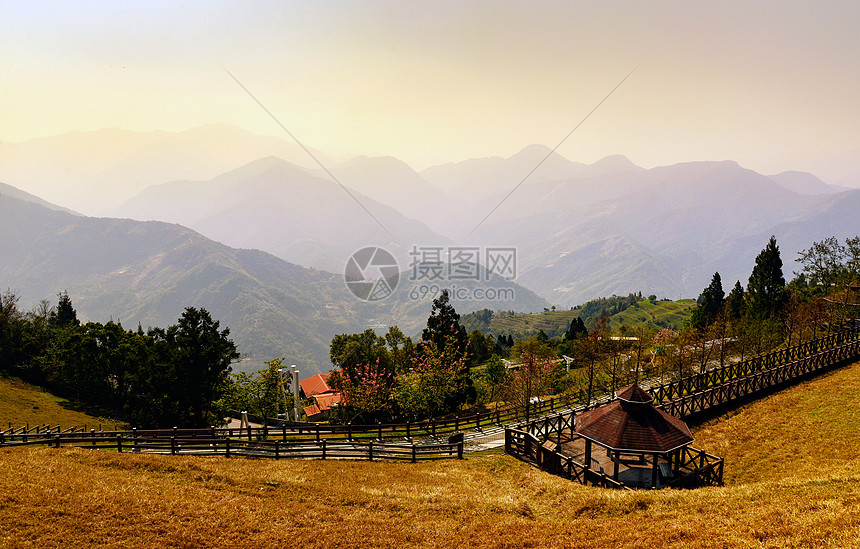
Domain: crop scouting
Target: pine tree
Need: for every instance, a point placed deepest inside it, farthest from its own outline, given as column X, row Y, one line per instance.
column 445, row 333
column 65, row 315
column 735, row 301
column 766, row 292
column 444, row 322
column 575, row 330
column 710, row 303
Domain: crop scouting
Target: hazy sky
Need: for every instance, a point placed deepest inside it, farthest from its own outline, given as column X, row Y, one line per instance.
column 771, row 84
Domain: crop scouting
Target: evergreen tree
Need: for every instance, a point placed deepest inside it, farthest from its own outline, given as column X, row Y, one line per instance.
column 735, row 301
column 197, row 356
column 445, row 332
column 710, row 303
column 576, row 329
column 766, row 292
column 11, row 331
column 65, row 314
column 444, row 322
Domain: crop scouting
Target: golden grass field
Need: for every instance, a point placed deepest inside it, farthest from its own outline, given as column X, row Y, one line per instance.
column 22, row 404
column 792, row 480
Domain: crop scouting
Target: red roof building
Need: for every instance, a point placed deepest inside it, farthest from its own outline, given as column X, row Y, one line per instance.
column 317, row 388
column 315, row 385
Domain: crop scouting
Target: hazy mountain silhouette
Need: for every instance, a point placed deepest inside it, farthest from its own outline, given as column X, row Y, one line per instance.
column 581, row 231
column 13, row 192
column 275, row 206
column 666, row 231
column 93, row 171
column 391, row 181
column 148, row 272
column 805, row 183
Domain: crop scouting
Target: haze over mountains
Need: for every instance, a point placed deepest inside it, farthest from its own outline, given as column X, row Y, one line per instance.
column 581, row 231
column 92, row 171
column 147, row 272
column 276, row 206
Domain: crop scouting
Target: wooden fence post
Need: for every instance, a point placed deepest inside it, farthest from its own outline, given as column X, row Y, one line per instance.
column 227, row 447
column 119, row 443
column 277, row 449
column 173, row 445
column 460, row 450
column 323, row 447
column 413, row 453
column 370, row 451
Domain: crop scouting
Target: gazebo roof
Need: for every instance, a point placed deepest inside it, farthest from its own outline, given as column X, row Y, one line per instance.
column 632, row 423
column 634, row 393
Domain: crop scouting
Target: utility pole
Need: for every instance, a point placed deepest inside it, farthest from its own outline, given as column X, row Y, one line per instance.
column 295, row 392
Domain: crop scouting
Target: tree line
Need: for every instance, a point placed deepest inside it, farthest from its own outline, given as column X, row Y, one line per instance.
column 161, row 377
column 390, row 377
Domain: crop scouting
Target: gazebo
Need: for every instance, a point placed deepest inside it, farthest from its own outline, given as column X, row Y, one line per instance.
column 643, row 444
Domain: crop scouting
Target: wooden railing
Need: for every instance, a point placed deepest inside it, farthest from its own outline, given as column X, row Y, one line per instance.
column 698, row 382
column 202, row 443
column 409, row 430
column 528, row 447
column 709, row 390
column 698, row 468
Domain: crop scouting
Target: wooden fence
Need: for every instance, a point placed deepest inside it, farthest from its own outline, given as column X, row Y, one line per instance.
column 704, row 392
column 698, row 468
column 528, row 447
column 698, row 382
column 203, row 443
column 409, row 430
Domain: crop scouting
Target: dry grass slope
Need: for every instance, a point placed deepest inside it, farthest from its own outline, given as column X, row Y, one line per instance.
column 810, row 497
column 22, row 403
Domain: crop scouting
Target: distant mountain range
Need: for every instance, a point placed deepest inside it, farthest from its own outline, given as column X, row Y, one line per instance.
column 275, row 206
column 93, row 171
column 580, row 231
column 147, row 272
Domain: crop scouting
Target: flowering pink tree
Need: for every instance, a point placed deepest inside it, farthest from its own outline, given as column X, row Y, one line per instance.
column 366, row 389
column 434, row 381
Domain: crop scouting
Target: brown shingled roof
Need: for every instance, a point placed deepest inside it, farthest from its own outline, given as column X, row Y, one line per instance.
column 634, row 393
column 633, row 424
